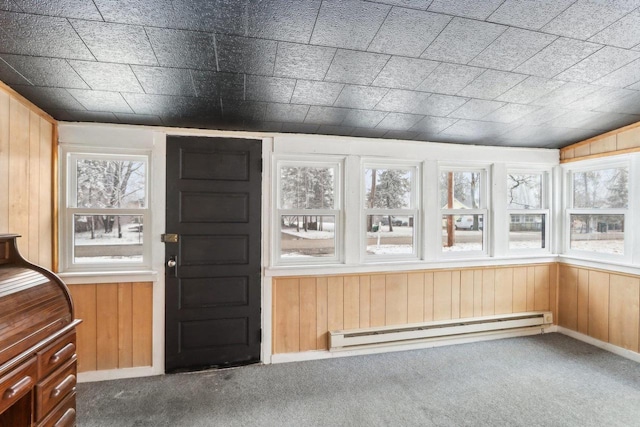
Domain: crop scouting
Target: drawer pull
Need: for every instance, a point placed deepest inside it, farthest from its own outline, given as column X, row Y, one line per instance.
column 64, row 353
column 63, row 387
column 19, row 387
column 66, row 419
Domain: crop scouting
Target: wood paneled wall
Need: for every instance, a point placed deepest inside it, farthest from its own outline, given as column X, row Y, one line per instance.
column 116, row 329
column 306, row 308
column 603, row 305
column 26, row 176
column 623, row 140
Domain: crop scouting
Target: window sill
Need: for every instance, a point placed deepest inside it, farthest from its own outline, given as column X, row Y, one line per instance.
column 93, row 277
column 609, row 266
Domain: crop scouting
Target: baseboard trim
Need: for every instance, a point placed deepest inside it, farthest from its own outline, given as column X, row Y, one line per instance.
column 117, row 374
column 627, row 354
column 439, row 342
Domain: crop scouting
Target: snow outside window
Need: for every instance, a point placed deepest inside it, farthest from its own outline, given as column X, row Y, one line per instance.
column 391, row 214
column 105, row 220
column 528, row 212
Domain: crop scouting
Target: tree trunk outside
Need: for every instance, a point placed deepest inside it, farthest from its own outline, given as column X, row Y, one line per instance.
column 451, row 240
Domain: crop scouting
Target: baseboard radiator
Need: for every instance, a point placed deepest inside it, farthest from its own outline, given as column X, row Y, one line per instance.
column 422, row 332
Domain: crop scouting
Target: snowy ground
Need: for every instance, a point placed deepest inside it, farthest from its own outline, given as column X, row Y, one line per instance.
column 600, row 246
column 102, row 238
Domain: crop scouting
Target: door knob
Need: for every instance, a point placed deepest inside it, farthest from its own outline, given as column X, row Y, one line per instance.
column 171, row 263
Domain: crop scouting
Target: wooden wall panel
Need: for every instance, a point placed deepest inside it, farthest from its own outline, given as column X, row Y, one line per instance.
column 583, row 301
column 568, row 290
column 116, row 329
column 624, row 311
column 306, row 308
column 618, row 141
column 598, row 323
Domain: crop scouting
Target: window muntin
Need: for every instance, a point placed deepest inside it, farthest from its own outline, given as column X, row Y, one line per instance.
column 528, row 212
column 308, row 214
column 390, row 211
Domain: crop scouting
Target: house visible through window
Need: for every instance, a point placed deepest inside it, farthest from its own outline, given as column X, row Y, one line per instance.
column 528, row 210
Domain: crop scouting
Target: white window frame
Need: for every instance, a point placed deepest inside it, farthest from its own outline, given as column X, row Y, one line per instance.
column 543, row 210
column 69, row 155
column 414, row 209
column 482, row 210
column 337, row 163
column 587, row 166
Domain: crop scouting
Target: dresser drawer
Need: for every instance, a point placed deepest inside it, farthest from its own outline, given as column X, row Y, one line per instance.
column 55, row 388
column 17, row 384
column 56, row 354
column 64, row 415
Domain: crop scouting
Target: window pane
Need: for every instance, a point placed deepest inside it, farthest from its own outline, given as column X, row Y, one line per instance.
column 606, row 188
column 307, row 187
column 460, row 190
column 388, row 188
column 389, row 235
column 462, row 233
column 527, row 231
column 107, row 238
column 524, row 191
column 307, row 236
column 598, row 233
column 110, row 184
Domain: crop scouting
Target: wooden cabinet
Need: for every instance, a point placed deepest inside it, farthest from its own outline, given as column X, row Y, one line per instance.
column 37, row 344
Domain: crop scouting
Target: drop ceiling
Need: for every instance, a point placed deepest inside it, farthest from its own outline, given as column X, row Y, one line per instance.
column 527, row 73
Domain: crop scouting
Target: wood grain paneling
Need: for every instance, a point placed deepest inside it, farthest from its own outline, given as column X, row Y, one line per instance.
column 618, row 141
column 624, row 311
column 306, row 308
column 116, row 329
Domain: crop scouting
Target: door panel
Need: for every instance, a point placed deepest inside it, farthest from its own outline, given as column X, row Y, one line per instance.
column 213, row 293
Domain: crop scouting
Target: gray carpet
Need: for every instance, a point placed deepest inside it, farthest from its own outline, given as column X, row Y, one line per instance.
column 544, row 380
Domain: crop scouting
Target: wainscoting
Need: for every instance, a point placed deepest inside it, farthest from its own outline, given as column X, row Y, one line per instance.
column 116, row 329
column 306, row 308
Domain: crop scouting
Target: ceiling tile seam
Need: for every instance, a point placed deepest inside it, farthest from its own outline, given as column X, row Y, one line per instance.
column 429, row 75
column 542, row 26
column 245, row 18
column 315, row 21
column 16, row 5
column 400, row 7
column 275, row 59
column 151, row 45
column 587, row 57
column 380, row 71
column 17, row 72
column 98, row 9
column 614, row 22
column 137, row 79
column 88, row 86
column 335, row 52
column 127, row 102
column 539, row 50
column 506, row 27
column 366, row 49
column 193, row 83
column 613, row 71
column 76, row 99
column 244, row 88
column 333, row 104
column 81, row 39
column 215, row 52
column 435, row 38
column 295, row 85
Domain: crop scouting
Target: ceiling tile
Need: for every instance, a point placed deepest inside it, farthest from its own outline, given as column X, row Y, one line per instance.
column 158, row 13
column 349, row 24
column 408, row 32
column 404, row 73
column 49, row 98
column 187, row 49
column 543, row 115
column 565, row 94
column 95, row 100
column 585, row 18
column 510, row 113
column 557, row 57
column 599, row 64
column 475, row 109
column 440, row 105
column 171, row 106
column 335, row 130
column 574, row 119
column 244, row 111
column 530, row 89
column 462, row 40
column 627, row 105
column 9, row 5
column 412, row 4
column 363, row 118
column 467, row 8
column 288, row 20
column 90, row 116
column 361, row 97
column 46, row 36
column 368, row 132
column 532, row 15
column 286, row 113
column 10, row 76
column 54, row 72
column 399, row 121
column 512, row 48
column 116, row 42
column 432, row 125
column 82, row 9
column 212, row 84
column 403, row 101
column 106, row 76
column 477, row 128
column 244, row 55
column 326, row 115
column 138, row 119
column 623, row 33
column 316, row 93
column 449, row 79
column 165, row 81
column 300, row 127
column 303, row 61
column 355, row 67
column 270, row 89
column 602, row 97
column 623, row 76
column 406, row 135
column 491, row 84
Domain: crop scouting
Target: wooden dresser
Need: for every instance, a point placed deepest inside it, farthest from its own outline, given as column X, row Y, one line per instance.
column 37, row 344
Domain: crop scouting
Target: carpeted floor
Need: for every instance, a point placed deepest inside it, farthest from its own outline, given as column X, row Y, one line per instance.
column 544, row 380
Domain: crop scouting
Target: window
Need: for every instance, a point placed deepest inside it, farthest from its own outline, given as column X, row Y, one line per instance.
column 308, row 213
column 598, row 207
column 106, row 217
column 463, row 210
column 527, row 210
column 390, row 209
